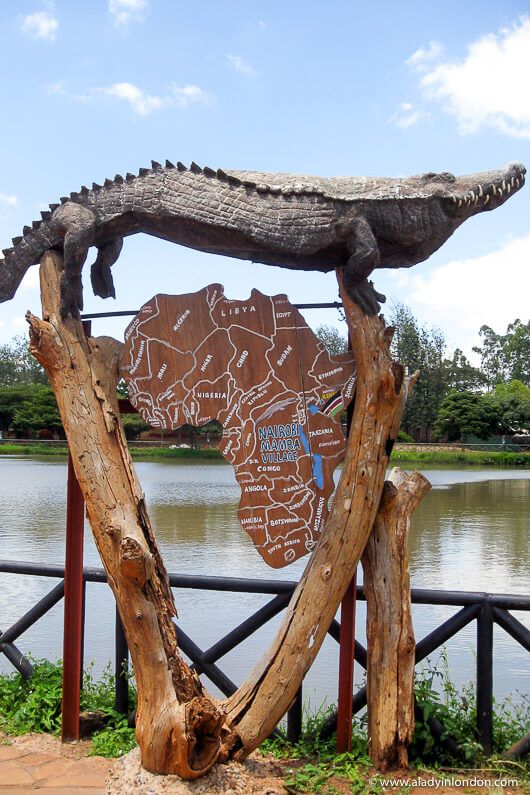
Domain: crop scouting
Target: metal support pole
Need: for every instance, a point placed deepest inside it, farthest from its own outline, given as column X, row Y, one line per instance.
column 346, row 661
column 485, row 678
column 121, row 683
column 73, row 608
column 294, row 718
column 74, row 598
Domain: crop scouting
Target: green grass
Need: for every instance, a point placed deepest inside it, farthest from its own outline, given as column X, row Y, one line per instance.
column 32, row 449
column 315, row 763
column 310, row 764
column 467, row 457
column 35, row 706
column 416, row 457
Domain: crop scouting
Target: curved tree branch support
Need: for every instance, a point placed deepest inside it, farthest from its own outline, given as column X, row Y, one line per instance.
column 389, row 630
column 180, row 729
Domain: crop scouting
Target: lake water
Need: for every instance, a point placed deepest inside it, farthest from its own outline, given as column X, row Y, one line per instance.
column 469, row 533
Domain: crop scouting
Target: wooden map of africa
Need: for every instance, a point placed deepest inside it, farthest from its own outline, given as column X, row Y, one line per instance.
column 258, row 368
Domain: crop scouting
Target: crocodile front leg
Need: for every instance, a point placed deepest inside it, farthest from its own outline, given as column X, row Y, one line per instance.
column 78, row 225
column 100, row 274
column 364, row 257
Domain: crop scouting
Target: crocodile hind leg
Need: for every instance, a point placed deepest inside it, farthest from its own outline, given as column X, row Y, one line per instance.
column 364, row 257
column 78, row 225
column 100, row 273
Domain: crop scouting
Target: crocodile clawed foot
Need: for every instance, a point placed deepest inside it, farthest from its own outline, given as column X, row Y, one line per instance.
column 366, row 297
column 71, row 295
column 100, row 274
column 102, row 281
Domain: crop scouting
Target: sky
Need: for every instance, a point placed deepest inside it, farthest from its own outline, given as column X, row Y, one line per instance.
column 90, row 90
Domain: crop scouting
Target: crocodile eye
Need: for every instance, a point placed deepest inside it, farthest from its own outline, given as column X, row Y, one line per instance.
column 445, row 176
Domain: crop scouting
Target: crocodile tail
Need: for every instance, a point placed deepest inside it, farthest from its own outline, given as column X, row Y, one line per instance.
column 26, row 251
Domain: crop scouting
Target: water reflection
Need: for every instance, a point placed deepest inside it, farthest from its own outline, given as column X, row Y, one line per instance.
column 470, row 533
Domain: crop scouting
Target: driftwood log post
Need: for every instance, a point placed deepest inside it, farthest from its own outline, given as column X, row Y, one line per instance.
column 180, row 729
column 389, row 630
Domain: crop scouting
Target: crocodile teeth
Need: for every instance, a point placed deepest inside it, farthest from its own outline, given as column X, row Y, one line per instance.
column 460, row 202
column 513, row 181
column 476, row 201
column 480, row 191
column 472, row 195
column 500, row 192
column 517, row 182
column 508, row 187
column 454, row 199
column 504, row 184
column 494, row 189
column 486, row 200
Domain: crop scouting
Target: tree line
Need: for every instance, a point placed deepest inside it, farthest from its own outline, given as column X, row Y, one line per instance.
column 453, row 399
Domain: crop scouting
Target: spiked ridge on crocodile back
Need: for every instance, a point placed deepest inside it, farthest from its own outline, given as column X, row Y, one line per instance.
column 331, row 222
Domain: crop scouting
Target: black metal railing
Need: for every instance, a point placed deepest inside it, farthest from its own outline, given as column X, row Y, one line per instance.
column 486, row 609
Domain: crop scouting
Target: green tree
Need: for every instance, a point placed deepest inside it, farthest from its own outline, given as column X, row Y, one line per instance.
column 334, row 341
column 419, row 348
column 464, row 413
column 505, row 357
column 37, row 411
column 517, row 351
column 461, row 375
column 18, row 365
column 512, row 400
column 11, row 398
column 133, row 425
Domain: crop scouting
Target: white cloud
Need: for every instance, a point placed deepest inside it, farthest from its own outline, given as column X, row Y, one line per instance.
column 488, row 88
column 143, row 103
column 31, row 279
column 407, row 115
column 240, row 66
column 425, row 55
column 139, row 100
column 125, row 11
column 462, row 295
column 9, row 198
column 18, row 323
column 40, row 25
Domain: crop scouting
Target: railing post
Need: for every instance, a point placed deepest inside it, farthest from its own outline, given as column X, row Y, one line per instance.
column 294, row 718
column 346, row 662
column 74, row 602
column 73, row 608
column 121, row 683
column 485, row 678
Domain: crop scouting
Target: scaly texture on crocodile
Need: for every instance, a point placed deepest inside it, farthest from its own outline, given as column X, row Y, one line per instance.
column 294, row 221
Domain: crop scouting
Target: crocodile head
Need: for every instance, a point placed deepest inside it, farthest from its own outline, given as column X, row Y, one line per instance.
column 462, row 197
column 423, row 211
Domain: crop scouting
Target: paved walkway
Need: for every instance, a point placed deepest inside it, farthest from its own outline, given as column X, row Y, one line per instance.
column 25, row 770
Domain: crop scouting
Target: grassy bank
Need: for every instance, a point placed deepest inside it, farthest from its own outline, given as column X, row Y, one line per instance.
column 311, row 765
column 465, row 457
column 412, row 457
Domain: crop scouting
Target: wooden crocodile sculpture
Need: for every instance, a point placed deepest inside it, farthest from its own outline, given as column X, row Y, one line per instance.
column 295, row 221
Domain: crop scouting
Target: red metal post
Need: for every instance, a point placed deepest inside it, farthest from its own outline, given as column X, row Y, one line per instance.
column 346, row 661
column 73, row 603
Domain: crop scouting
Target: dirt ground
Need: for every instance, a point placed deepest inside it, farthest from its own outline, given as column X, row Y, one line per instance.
column 266, row 775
